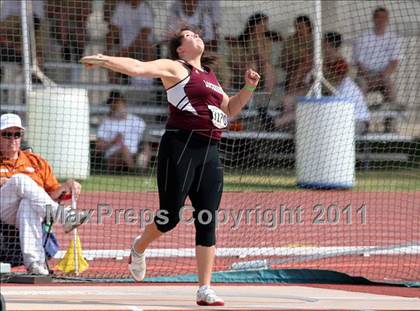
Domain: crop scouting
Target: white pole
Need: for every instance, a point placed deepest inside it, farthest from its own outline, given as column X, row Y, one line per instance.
column 318, row 49
column 76, row 259
column 26, row 49
column 32, row 44
column 31, row 32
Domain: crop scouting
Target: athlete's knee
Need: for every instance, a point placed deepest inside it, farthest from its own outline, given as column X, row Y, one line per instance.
column 166, row 221
column 205, row 237
column 205, row 228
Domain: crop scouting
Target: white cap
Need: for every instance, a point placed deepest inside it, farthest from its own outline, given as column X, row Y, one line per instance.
column 8, row 120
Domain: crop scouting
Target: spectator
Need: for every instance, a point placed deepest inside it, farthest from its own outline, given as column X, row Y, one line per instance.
column 297, row 55
column 204, row 17
column 27, row 188
column 336, row 72
column 297, row 61
column 10, row 30
column 212, row 8
column 197, row 14
column 377, row 54
column 119, row 135
column 131, row 30
column 220, row 67
column 109, row 8
column 131, row 34
column 253, row 48
column 68, row 19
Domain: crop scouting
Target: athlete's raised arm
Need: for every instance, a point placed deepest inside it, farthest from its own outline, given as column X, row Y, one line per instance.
column 233, row 105
column 160, row 68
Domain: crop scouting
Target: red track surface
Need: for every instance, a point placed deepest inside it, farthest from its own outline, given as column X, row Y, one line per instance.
column 392, row 218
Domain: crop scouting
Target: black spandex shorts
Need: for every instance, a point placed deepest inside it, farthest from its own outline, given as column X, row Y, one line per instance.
column 189, row 164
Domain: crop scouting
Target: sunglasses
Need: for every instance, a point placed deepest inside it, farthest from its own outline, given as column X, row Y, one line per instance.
column 11, row 135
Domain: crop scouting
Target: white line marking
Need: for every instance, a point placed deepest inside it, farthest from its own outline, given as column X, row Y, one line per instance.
column 254, row 251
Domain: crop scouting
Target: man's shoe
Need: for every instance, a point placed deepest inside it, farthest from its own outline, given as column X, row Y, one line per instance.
column 137, row 264
column 207, row 297
column 38, row 268
column 74, row 218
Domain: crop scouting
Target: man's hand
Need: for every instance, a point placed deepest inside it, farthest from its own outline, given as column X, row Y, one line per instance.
column 3, row 180
column 362, row 71
column 389, row 70
column 73, row 187
column 374, row 80
column 118, row 140
column 70, row 187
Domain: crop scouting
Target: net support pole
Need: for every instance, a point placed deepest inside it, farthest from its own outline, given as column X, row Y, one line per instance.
column 319, row 80
column 26, row 48
column 32, row 48
column 317, row 50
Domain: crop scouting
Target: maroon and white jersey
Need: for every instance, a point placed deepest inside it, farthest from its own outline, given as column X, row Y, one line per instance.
column 195, row 103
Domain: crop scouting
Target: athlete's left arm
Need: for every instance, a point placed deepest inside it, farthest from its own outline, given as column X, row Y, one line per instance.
column 233, row 105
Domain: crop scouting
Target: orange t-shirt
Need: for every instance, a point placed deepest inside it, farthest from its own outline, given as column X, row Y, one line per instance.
column 34, row 166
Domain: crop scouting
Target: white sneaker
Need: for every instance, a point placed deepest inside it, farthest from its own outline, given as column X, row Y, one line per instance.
column 74, row 218
column 38, row 268
column 207, row 297
column 137, row 264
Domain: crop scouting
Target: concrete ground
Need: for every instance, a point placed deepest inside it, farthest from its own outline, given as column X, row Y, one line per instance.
column 176, row 297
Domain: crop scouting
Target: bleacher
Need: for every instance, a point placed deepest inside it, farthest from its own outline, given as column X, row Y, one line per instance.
column 259, row 146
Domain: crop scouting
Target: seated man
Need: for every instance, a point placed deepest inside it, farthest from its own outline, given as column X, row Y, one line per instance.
column 119, row 135
column 29, row 191
column 377, row 54
column 10, row 30
column 197, row 14
column 68, row 23
column 336, row 72
column 131, row 30
column 131, row 34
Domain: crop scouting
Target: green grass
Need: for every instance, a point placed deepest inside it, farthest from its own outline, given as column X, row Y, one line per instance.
column 395, row 180
column 398, row 180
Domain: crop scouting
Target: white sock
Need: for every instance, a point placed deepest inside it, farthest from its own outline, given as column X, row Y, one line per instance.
column 133, row 249
column 203, row 288
column 136, row 253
